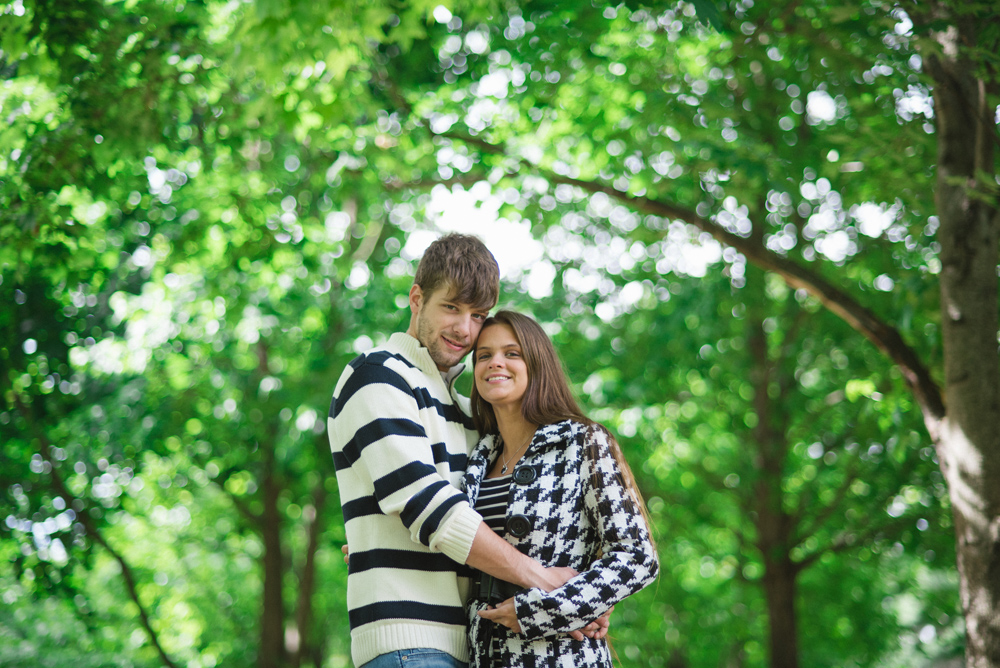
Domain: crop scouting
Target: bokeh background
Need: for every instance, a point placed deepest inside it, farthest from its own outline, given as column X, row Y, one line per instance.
column 734, row 218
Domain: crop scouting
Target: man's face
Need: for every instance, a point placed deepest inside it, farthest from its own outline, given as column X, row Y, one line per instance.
column 448, row 329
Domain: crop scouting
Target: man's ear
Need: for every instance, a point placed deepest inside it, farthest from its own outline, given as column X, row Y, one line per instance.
column 416, row 299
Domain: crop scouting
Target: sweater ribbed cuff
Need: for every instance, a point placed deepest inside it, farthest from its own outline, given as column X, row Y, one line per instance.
column 457, row 532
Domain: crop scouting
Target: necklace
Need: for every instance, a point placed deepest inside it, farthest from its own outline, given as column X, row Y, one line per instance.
column 503, row 469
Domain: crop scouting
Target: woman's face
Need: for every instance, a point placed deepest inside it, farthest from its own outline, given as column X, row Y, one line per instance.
column 500, row 370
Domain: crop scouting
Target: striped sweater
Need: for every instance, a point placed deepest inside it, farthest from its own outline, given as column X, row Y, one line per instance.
column 400, row 437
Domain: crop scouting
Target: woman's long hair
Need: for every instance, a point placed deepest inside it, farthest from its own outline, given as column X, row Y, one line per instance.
column 547, row 399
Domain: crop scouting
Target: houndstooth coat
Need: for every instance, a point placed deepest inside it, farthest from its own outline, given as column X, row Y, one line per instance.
column 567, row 506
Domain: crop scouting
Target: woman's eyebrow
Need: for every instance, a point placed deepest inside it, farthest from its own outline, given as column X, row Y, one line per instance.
column 505, row 347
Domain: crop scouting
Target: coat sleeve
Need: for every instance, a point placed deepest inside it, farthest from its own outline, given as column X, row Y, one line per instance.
column 383, row 453
column 627, row 560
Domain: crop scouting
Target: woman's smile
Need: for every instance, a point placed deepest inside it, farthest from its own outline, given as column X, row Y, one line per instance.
column 500, row 370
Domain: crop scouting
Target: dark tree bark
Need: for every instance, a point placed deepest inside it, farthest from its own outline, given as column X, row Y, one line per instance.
column 307, row 578
column 774, row 525
column 272, row 619
column 272, row 616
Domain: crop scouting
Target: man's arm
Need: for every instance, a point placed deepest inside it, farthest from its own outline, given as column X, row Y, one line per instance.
column 386, row 463
column 493, row 555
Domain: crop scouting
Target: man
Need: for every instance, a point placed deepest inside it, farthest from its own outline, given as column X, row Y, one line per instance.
column 400, row 436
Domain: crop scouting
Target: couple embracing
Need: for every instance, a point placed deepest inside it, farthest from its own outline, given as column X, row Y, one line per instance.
column 496, row 532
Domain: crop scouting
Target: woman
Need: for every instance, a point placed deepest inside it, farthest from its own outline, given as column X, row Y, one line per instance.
column 555, row 485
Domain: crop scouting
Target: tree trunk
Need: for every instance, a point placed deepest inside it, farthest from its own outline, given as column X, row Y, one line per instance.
column 780, row 591
column 968, row 438
column 307, row 578
column 773, row 524
column 272, row 616
column 272, row 619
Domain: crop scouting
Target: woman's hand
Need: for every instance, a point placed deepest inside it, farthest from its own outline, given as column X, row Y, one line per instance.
column 598, row 629
column 504, row 614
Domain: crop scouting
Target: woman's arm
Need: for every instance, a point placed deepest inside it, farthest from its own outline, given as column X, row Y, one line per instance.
column 628, row 559
column 505, row 613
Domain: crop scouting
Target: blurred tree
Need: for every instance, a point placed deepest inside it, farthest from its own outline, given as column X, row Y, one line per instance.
column 207, row 208
column 178, row 313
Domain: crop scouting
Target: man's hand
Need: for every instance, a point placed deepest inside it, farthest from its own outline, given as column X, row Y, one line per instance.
column 347, row 555
column 503, row 614
column 554, row 577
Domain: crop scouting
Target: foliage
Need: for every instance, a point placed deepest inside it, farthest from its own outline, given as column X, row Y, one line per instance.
column 209, row 208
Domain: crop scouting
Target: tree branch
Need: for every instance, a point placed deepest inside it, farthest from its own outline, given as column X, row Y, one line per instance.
column 849, row 477
column 240, row 505
column 841, row 542
column 863, row 320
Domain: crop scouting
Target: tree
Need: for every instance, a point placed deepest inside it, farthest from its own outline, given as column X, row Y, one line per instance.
column 161, row 258
column 623, row 105
column 185, row 271
column 775, row 450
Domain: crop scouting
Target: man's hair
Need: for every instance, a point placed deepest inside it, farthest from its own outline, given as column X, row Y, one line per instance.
column 464, row 265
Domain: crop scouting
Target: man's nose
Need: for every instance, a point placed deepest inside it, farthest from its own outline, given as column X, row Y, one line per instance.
column 464, row 325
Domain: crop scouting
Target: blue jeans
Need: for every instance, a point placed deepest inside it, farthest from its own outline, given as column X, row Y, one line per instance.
column 415, row 658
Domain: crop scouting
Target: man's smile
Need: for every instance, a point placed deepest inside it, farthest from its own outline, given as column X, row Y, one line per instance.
column 451, row 344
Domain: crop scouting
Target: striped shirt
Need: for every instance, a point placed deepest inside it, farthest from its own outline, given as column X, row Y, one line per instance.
column 400, row 437
column 492, row 505
column 492, row 502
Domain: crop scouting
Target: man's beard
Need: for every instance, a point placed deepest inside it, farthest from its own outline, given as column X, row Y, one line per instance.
column 436, row 347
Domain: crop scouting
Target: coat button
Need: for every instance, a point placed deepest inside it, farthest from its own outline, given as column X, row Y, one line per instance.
column 518, row 526
column 525, row 475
